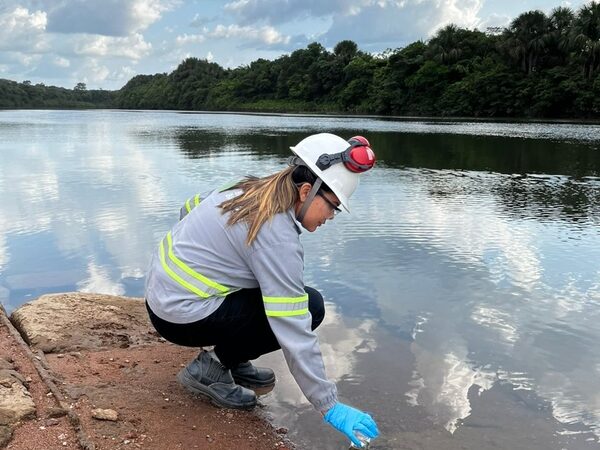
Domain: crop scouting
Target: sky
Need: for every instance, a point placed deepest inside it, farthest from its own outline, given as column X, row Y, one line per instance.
column 104, row 43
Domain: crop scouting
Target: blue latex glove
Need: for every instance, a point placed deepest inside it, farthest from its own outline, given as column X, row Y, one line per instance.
column 347, row 419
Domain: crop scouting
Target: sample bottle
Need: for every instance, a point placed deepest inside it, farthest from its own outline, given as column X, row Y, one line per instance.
column 364, row 440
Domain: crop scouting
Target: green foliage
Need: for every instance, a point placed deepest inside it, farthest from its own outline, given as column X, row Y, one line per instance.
column 539, row 66
column 26, row 95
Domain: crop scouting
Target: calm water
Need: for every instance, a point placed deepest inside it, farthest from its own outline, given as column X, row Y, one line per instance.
column 463, row 293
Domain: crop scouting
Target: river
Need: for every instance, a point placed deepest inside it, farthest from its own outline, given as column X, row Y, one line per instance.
column 462, row 293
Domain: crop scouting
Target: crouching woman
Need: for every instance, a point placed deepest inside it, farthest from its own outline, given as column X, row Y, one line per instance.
column 230, row 275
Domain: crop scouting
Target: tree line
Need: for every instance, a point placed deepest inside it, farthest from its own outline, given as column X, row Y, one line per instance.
column 538, row 66
column 28, row 95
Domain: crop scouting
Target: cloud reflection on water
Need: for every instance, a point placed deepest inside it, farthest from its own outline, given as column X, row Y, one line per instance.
column 497, row 275
column 484, row 295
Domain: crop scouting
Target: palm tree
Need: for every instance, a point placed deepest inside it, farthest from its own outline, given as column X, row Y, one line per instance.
column 561, row 20
column 528, row 39
column 345, row 51
column 585, row 37
column 445, row 47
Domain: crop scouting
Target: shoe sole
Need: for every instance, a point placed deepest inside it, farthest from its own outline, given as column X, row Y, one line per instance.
column 188, row 382
column 253, row 384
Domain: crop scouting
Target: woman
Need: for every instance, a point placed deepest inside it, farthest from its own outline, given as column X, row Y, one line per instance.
column 230, row 274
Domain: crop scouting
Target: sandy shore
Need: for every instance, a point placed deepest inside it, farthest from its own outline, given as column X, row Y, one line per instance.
column 136, row 383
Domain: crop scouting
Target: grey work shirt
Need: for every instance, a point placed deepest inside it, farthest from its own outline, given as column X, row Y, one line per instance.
column 274, row 262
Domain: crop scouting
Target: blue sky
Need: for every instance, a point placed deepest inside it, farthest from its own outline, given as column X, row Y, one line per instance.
column 104, row 43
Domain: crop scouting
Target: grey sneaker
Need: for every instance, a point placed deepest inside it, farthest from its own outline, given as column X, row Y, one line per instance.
column 208, row 377
column 253, row 377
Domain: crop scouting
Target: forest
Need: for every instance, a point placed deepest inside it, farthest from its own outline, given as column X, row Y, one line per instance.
column 28, row 95
column 539, row 66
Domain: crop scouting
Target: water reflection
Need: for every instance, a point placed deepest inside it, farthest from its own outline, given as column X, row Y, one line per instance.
column 550, row 198
column 473, row 284
column 463, row 292
column 503, row 154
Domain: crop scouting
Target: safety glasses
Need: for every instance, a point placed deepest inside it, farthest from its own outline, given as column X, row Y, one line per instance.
column 332, row 205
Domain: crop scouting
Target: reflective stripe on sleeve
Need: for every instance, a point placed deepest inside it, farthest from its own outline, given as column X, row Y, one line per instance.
column 286, row 306
column 186, row 276
column 188, row 202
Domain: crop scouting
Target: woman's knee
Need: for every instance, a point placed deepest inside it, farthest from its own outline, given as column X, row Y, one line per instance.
column 316, row 306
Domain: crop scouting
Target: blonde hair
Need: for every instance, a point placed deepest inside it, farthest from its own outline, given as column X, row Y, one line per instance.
column 261, row 200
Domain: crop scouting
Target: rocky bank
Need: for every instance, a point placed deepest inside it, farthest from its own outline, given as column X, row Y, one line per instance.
column 88, row 371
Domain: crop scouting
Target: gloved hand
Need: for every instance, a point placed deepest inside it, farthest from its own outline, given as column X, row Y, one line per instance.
column 347, row 419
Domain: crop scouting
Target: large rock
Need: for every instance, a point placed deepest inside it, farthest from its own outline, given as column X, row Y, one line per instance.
column 5, row 434
column 15, row 401
column 57, row 323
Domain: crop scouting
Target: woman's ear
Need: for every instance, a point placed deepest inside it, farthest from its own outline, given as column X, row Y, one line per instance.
column 304, row 190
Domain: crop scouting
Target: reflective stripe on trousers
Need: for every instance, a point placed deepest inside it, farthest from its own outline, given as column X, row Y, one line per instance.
column 286, row 306
column 185, row 276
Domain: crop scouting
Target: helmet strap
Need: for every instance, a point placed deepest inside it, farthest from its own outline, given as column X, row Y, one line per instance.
column 311, row 195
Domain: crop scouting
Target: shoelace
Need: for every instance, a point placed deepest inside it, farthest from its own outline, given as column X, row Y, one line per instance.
column 216, row 370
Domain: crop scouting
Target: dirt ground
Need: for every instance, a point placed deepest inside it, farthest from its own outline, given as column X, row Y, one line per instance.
column 51, row 428
column 139, row 383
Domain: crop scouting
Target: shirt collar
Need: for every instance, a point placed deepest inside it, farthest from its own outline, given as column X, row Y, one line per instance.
column 292, row 214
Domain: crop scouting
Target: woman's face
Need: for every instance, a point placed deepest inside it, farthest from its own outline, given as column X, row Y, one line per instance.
column 321, row 209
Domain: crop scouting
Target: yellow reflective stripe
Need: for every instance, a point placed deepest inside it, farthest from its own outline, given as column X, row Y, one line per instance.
column 296, row 312
column 286, row 306
column 177, row 278
column 190, row 271
column 187, row 205
column 300, row 299
column 196, row 200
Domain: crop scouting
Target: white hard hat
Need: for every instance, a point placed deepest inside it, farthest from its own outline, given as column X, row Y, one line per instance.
column 342, row 181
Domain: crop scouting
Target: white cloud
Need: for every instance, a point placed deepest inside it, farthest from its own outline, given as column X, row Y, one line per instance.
column 30, row 48
column 200, row 21
column 105, row 17
column 495, row 20
column 400, row 22
column 61, row 62
column 265, row 35
column 21, row 29
column 99, row 281
column 27, row 60
column 20, row 19
column 247, row 35
column 340, row 346
column 375, row 22
column 133, row 46
column 282, row 11
column 124, row 73
column 92, row 71
column 209, row 56
column 189, row 39
column 146, row 12
column 5, row 228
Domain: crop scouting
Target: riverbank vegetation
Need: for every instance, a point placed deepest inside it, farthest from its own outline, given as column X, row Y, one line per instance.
column 27, row 95
column 540, row 65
